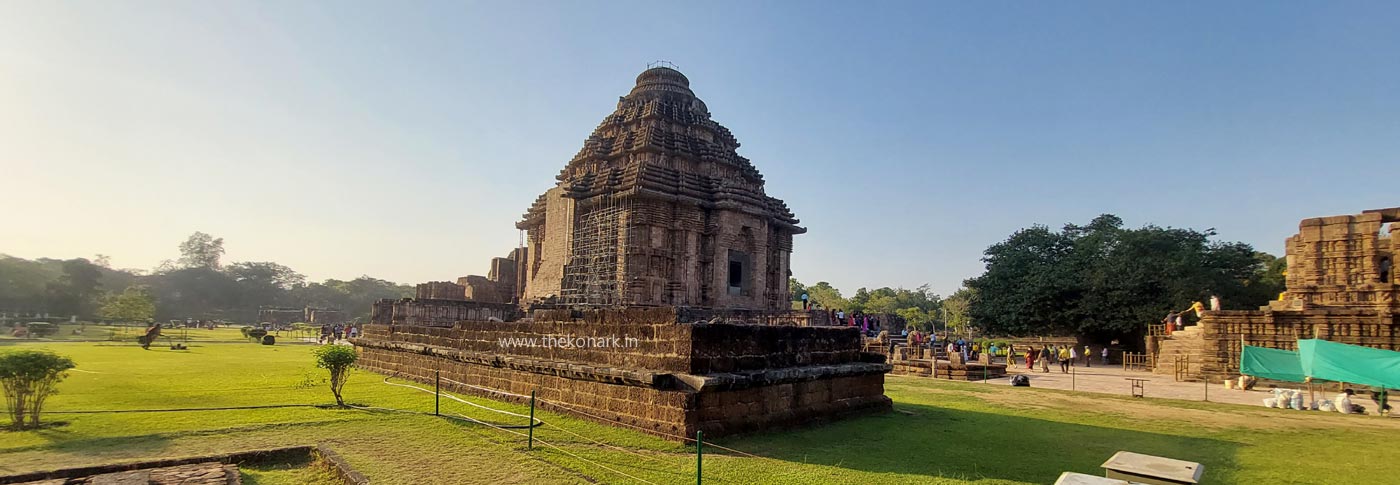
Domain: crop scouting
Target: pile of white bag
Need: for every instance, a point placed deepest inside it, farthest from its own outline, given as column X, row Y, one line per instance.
column 1288, row 399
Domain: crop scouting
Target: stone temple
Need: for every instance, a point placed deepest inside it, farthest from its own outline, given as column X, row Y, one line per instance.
column 659, row 209
column 1341, row 287
column 659, row 240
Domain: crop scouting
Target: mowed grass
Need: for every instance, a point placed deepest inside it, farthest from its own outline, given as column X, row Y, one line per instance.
column 941, row 432
column 129, row 333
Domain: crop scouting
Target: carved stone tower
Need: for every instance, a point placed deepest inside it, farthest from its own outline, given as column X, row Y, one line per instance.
column 659, row 209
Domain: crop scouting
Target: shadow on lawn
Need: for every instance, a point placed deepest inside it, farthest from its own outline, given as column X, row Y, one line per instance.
column 955, row 443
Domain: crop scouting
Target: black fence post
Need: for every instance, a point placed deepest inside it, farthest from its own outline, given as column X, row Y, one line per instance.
column 531, row 443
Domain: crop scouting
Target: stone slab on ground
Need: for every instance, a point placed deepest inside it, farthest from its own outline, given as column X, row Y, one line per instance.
column 210, row 473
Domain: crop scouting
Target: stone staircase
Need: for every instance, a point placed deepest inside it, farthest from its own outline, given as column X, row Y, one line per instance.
column 1188, row 347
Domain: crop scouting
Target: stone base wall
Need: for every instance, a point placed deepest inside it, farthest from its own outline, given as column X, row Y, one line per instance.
column 1224, row 332
column 438, row 312
column 942, row 369
column 658, row 411
column 677, row 379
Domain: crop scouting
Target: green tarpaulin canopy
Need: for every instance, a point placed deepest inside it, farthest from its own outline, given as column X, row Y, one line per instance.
column 1332, row 361
column 1267, row 363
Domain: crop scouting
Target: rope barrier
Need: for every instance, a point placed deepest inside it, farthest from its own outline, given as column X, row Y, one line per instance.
column 707, row 443
column 463, row 401
column 512, row 431
column 487, row 389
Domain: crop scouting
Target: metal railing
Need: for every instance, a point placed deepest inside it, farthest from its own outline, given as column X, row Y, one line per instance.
column 1137, row 361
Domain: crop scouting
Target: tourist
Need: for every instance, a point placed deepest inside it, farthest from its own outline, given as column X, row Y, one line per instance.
column 1088, row 357
column 1045, row 358
column 1214, row 303
column 1073, row 354
column 1010, row 355
column 1064, row 360
column 1105, row 356
column 1378, row 396
column 840, row 316
column 1342, row 403
column 1168, row 322
column 325, row 334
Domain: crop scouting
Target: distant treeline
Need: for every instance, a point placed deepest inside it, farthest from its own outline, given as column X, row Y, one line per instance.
column 195, row 286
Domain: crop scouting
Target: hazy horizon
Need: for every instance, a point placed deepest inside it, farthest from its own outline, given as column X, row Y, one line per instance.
column 404, row 141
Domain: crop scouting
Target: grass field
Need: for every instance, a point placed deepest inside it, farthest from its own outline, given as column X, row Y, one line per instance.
column 125, row 333
column 941, row 432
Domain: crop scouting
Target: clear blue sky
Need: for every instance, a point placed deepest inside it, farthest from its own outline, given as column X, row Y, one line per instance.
column 403, row 140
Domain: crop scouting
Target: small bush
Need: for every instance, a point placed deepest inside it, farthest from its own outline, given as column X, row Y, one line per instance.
column 29, row 377
column 337, row 359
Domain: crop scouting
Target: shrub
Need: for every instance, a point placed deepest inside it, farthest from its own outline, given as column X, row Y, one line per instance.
column 29, row 377
column 337, row 359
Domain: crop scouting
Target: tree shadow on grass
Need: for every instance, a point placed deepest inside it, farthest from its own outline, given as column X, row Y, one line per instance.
column 928, row 440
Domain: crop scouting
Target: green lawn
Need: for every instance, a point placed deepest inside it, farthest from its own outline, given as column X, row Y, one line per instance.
column 123, row 333
column 941, row 432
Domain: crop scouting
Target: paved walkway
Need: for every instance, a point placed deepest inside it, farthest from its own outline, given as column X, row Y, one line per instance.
column 1112, row 379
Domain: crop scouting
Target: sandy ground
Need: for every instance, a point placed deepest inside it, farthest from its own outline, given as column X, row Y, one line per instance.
column 1112, row 379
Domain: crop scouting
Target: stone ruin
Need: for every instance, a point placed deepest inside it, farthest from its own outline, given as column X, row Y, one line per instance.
column 660, row 374
column 657, row 208
column 659, row 234
column 1341, row 287
column 309, row 315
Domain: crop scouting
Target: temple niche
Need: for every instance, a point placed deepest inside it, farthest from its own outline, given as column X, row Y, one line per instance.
column 658, row 208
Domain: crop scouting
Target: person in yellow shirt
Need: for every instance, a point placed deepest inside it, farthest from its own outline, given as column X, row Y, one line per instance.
column 1064, row 360
column 1199, row 308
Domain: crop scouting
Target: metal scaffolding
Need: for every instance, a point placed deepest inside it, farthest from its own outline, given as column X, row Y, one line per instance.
column 592, row 276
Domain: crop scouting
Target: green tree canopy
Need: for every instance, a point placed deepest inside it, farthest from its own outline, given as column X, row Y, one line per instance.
column 135, row 304
column 201, row 250
column 1103, row 281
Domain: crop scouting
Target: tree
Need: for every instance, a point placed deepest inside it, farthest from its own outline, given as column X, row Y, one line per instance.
column 135, row 304
column 264, row 283
column 201, row 250
column 796, row 289
column 337, row 359
column 828, row 297
column 1104, row 282
column 29, row 377
column 75, row 292
column 955, row 308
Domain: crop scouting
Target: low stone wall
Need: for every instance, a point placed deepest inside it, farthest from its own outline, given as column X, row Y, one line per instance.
column 944, row 369
column 672, row 380
column 438, row 313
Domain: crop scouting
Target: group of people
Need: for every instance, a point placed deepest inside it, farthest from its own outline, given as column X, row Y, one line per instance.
column 333, row 333
column 869, row 324
column 1175, row 320
column 1064, row 355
